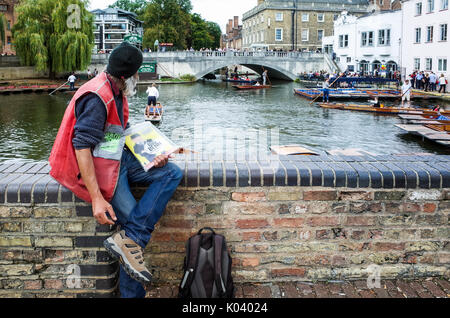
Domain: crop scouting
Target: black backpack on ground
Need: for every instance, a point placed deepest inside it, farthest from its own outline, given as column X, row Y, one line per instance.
column 207, row 267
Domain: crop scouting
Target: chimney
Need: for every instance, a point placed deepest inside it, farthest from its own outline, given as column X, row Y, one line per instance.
column 260, row 1
column 236, row 22
column 229, row 26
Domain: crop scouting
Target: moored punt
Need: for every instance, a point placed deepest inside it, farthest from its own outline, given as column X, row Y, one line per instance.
column 423, row 119
column 382, row 110
column 292, row 150
column 239, row 81
column 31, row 88
column 242, row 87
column 435, row 133
column 353, row 93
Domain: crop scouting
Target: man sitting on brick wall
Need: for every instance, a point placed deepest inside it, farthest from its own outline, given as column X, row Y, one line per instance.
column 102, row 175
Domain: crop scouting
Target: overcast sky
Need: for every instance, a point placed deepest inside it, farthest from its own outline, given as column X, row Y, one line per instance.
column 218, row 11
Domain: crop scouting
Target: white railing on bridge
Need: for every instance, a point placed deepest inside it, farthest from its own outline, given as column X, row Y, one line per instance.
column 182, row 54
column 218, row 55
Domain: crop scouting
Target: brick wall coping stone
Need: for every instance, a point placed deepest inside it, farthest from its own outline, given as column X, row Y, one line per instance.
column 29, row 182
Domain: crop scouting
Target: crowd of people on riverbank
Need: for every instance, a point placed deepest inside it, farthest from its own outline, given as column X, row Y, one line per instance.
column 428, row 81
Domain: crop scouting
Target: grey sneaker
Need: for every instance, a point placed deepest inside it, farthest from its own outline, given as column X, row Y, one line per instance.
column 130, row 255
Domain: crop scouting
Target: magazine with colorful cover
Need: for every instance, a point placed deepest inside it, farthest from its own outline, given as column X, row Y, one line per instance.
column 147, row 142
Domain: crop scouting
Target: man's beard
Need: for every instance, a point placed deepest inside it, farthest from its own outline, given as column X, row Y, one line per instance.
column 130, row 86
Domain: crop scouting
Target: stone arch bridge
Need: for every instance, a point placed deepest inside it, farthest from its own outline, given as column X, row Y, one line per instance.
column 280, row 65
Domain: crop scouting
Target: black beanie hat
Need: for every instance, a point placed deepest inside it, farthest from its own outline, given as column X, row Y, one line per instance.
column 124, row 61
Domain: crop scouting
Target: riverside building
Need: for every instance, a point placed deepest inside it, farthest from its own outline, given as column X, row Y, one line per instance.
column 425, row 41
column 367, row 44
column 294, row 24
column 113, row 26
column 7, row 10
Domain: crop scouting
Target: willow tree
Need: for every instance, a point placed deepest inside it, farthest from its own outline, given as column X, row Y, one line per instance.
column 54, row 35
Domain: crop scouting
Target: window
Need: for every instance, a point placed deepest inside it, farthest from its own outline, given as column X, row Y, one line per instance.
column 443, row 35
column 384, row 37
column 319, row 35
column 320, row 17
column 429, row 33
column 430, row 6
column 278, row 34
column 338, row 59
column 8, row 40
column 343, row 40
column 8, row 25
column 305, row 35
column 305, row 17
column 442, row 65
column 418, row 35
column 3, row 7
column 444, row 4
column 370, row 38
column 367, row 38
column 364, row 39
column 279, row 16
column 335, row 16
column 419, row 8
column 349, row 59
column 417, row 64
column 428, row 64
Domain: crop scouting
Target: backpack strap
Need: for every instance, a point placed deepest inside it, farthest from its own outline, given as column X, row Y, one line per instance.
column 191, row 265
column 218, row 246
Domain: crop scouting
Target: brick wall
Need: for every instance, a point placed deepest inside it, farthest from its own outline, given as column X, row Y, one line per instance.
column 303, row 219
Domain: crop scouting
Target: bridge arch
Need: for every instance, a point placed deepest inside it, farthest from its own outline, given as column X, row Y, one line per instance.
column 272, row 71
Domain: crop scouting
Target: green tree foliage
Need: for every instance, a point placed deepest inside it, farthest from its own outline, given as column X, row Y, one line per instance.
column 54, row 35
column 167, row 21
column 171, row 21
column 2, row 31
column 135, row 6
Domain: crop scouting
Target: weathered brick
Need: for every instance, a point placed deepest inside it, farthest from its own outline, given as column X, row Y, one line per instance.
column 389, row 195
column 320, row 195
column 283, row 272
column 16, row 270
column 73, row 227
column 33, row 284
column 288, row 222
column 360, row 220
column 248, row 196
column 250, row 262
column 54, row 241
column 355, row 195
column 251, row 236
column 21, row 212
column 429, row 207
column 53, row 284
column 323, row 221
column 388, row 246
column 251, row 223
column 15, row 241
column 10, row 227
column 52, row 212
column 283, row 195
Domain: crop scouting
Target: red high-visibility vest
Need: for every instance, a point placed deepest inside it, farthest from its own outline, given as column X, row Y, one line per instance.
column 106, row 155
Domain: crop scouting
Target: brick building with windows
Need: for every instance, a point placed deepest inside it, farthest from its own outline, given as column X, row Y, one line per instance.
column 9, row 15
column 232, row 39
column 294, row 24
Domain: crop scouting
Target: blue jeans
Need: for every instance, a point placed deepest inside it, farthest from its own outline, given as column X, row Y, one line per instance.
column 326, row 95
column 138, row 219
column 72, row 86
